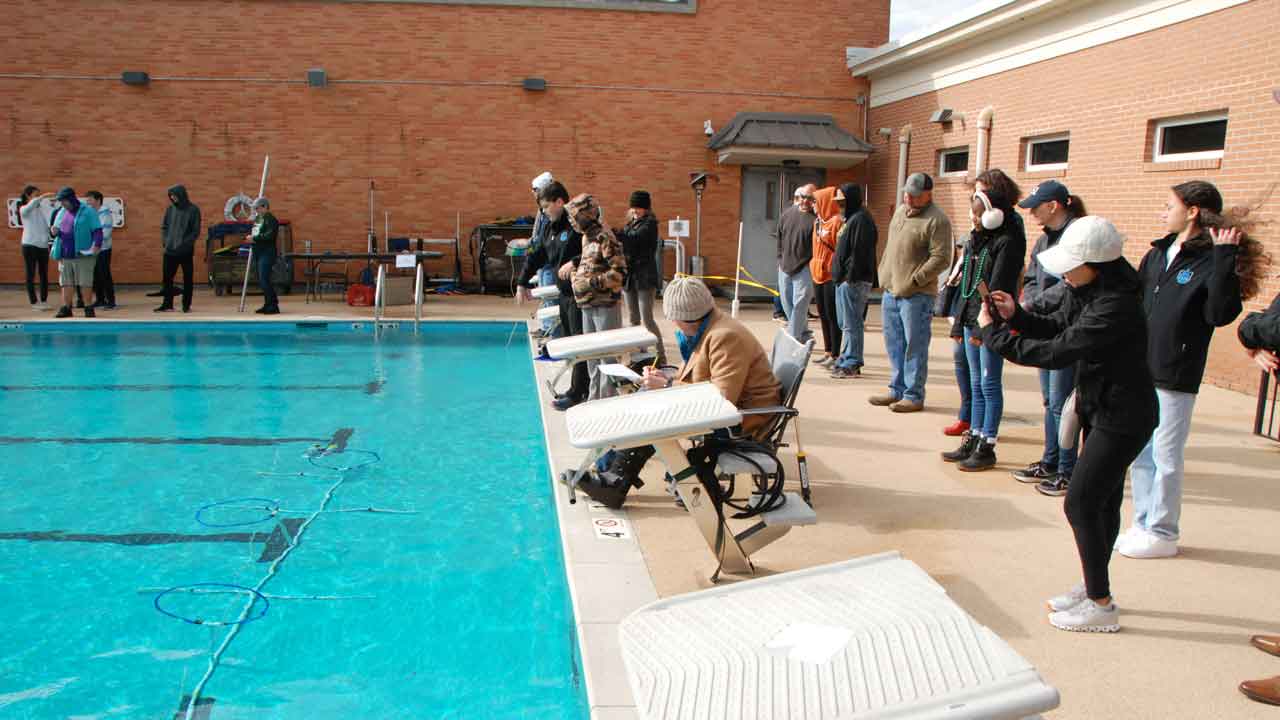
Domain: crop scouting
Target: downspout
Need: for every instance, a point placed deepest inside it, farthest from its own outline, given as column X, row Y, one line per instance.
column 865, row 102
column 904, row 144
column 984, row 137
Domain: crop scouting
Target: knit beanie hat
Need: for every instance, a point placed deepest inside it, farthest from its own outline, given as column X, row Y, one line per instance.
column 585, row 215
column 640, row 199
column 686, row 299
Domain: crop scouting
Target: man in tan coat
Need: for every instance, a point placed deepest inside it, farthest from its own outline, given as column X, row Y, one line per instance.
column 716, row 348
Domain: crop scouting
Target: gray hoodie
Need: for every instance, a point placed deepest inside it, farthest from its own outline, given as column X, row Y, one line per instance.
column 181, row 224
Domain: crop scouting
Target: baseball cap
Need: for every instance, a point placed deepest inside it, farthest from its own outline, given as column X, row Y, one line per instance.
column 65, row 193
column 1044, row 192
column 918, row 184
column 1090, row 239
column 542, row 181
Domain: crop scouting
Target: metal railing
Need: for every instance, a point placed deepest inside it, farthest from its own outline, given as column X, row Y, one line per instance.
column 244, row 288
column 1265, row 420
column 417, row 298
column 379, row 296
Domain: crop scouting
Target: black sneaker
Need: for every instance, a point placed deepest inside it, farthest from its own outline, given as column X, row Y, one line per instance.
column 164, row 308
column 1034, row 473
column 1055, row 486
column 983, row 458
column 564, row 402
column 63, row 312
column 968, row 442
column 271, row 311
column 846, row 373
column 186, row 309
column 88, row 312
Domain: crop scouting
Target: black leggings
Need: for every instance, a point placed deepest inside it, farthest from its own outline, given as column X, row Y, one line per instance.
column 571, row 324
column 1093, row 502
column 171, row 265
column 826, row 296
column 104, row 287
column 36, row 259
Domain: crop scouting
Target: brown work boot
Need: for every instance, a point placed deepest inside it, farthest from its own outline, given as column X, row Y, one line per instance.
column 907, row 406
column 1264, row 691
column 882, row 400
column 1267, row 643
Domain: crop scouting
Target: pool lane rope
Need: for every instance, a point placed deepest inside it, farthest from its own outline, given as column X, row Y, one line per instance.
column 215, row 658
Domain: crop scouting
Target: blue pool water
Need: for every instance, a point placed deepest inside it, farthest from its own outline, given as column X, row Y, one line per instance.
column 112, row 438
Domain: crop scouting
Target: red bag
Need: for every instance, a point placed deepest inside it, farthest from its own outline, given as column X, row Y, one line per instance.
column 360, row 295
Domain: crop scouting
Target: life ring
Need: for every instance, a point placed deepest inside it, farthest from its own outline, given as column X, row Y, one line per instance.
column 236, row 205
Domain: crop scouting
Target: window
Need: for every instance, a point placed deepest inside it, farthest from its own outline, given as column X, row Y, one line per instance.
column 953, row 162
column 1047, row 153
column 1191, row 137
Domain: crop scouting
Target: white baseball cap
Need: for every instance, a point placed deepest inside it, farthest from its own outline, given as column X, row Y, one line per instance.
column 542, row 181
column 1091, row 239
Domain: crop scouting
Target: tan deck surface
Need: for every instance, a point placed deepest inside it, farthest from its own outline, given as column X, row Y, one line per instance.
column 998, row 546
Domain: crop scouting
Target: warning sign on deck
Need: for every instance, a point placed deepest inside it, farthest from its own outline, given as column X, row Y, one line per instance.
column 611, row 528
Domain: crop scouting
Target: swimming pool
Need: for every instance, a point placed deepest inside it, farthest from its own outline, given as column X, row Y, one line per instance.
column 354, row 527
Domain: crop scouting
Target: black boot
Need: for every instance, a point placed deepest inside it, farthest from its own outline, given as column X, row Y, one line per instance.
column 64, row 312
column 968, row 442
column 983, row 458
column 606, row 488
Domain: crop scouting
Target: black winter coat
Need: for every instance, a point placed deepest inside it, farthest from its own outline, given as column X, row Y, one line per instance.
column 1100, row 335
column 855, row 257
column 1200, row 291
column 639, row 240
column 1261, row 330
column 560, row 245
column 1001, row 267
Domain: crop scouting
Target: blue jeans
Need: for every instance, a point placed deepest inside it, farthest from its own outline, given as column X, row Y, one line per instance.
column 796, row 291
column 961, row 360
column 547, row 278
column 986, row 386
column 907, row 332
column 777, row 304
column 264, row 260
column 851, row 308
column 1055, row 386
column 1157, row 472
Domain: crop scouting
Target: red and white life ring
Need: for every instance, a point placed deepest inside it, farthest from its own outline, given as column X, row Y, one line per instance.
column 239, row 208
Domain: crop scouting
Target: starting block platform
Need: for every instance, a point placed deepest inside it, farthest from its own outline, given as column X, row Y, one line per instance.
column 597, row 346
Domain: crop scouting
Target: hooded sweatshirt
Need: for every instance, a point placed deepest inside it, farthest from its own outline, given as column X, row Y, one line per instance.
column 78, row 231
column 825, row 231
column 855, row 258
column 794, row 236
column 35, row 226
column 598, row 279
column 181, row 224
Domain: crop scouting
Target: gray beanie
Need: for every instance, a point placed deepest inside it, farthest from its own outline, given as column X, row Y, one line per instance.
column 261, row 202
column 686, row 299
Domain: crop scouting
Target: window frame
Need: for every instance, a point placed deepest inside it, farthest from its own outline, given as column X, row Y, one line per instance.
column 942, row 161
column 1031, row 142
column 1179, row 121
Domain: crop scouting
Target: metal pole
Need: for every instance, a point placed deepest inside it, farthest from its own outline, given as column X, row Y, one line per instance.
column 697, row 243
column 262, row 187
column 372, row 237
column 386, row 230
column 244, row 289
column 379, row 294
column 737, row 276
column 417, row 299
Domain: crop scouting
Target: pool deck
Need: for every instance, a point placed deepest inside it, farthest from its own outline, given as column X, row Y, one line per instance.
column 998, row 547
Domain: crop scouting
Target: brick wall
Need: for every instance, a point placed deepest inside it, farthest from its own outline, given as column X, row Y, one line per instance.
column 1106, row 97
column 441, row 145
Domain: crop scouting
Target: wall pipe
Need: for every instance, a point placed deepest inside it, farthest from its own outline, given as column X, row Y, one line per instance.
column 904, row 145
column 984, row 138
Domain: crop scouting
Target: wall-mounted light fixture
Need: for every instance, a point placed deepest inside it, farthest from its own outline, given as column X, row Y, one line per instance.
column 317, row 78
column 534, row 84
column 134, row 77
column 941, row 115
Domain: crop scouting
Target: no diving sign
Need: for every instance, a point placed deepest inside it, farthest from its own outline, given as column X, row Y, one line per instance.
column 609, row 528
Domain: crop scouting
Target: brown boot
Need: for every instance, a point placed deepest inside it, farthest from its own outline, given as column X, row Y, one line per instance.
column 1263, row 691
column 1267, row 643
column 882, row 400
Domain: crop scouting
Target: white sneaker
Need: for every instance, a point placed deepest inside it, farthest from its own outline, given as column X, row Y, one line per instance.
column 1070, row 599
column 1147, row 546
column 1087, row 616
column 1123, row 538
column 41, row 307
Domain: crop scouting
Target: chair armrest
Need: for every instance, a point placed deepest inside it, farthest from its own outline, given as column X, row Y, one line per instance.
column 771, row 410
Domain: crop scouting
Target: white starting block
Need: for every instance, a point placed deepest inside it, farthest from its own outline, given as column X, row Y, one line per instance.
column 548, row 292
column 873, row 637
column 661, row 418
column 598, row 346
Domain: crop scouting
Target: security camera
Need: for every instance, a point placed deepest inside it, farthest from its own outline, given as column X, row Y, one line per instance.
column 706, row 128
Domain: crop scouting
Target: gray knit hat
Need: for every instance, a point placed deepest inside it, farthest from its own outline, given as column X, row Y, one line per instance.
column 686, row 299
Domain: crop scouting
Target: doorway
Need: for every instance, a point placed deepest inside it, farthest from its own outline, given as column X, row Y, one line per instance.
column 766, row 192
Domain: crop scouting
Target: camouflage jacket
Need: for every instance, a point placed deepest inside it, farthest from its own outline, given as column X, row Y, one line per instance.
column 598, row 279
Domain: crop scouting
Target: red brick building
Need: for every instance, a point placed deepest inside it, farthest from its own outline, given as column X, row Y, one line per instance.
column 425, row 98
column 1118, row 99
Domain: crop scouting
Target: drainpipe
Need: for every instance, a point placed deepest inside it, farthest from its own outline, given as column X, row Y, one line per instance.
column 984, row 137
column 904, row 143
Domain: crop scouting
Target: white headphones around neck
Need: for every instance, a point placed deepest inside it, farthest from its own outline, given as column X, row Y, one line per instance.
column 992, row 217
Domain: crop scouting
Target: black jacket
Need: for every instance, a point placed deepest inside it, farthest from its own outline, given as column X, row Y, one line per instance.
column 1261, row 330
column 1100, row 335
column 794, row 236
column 1041, row 292
column 181, row 224
column 855, row 258
column 639, row 240
column 1199, row 292
column 994, row 256
column 561, row 244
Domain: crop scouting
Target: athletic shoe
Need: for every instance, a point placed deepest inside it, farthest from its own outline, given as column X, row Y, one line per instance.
column 841, row 373
column 1087, row 616
column 882, row 400
column 1148, row 546
column 164, row 308
column 1034, row 473
column 88, row 312
column 565, row 402
column 271, row 311
column 982, row 458
column 1055, row 486
column 63, row 312
column 956, row 429
column 186, row 309
column 1070, row 599
column 967, row 443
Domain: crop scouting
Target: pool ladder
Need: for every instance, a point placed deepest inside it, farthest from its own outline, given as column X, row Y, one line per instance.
column 380, row 297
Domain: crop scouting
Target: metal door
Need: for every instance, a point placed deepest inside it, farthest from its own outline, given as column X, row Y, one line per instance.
column 766, row 192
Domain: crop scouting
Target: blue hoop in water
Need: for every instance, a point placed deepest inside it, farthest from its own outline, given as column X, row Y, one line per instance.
column 269, row 507
column 214, row 623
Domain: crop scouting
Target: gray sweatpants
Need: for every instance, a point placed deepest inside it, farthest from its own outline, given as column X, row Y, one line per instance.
column 640, row 310
column 596, row 319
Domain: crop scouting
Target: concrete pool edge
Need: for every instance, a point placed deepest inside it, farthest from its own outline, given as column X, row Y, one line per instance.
column 608, row 577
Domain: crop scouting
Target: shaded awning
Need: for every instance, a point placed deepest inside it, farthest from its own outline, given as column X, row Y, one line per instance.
column 757, row 138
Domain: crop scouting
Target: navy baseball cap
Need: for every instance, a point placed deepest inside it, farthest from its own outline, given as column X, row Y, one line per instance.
column 1045, row 191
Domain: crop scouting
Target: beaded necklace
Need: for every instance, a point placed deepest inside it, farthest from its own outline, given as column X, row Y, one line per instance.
column 966, row 289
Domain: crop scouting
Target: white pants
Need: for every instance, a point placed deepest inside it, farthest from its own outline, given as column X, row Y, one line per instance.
column 1157, row 472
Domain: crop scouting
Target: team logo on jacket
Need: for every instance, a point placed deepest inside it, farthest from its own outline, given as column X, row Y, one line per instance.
column 1184, row 277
